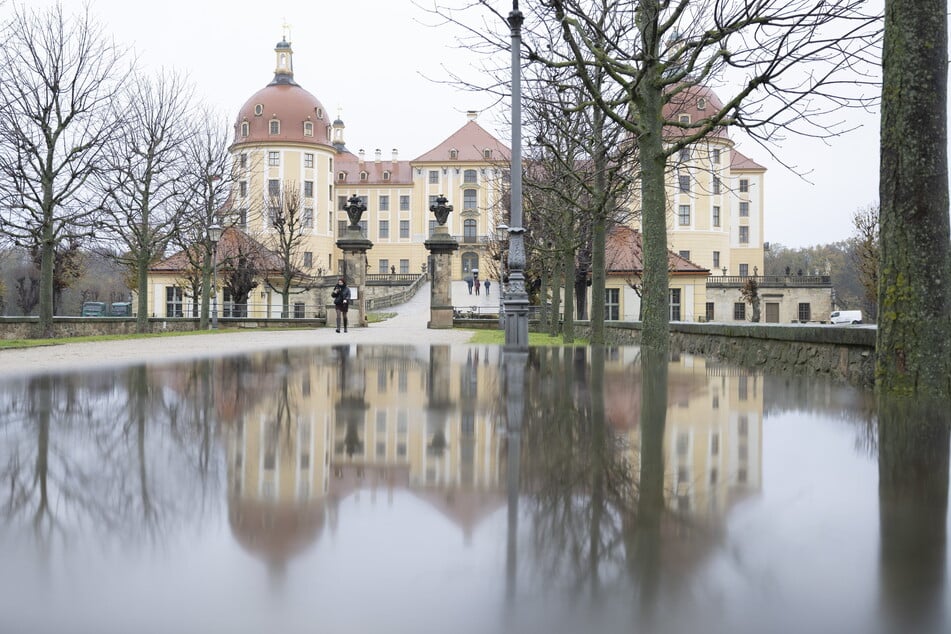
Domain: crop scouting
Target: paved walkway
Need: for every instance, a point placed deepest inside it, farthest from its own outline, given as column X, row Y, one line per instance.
column 407, row 327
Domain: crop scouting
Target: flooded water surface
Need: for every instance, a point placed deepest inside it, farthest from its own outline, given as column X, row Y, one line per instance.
column 466, row 489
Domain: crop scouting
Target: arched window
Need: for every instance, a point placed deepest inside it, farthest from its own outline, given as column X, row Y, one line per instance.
column 341, row 176
column 469, row 176
column 453, row 154
column 469, row 199
column 386, row 175
column 364, row 176
column 245, row 128
column 274, row 126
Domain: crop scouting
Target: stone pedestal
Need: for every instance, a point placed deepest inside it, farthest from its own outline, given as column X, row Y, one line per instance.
column 354, row 247
column 440, row 246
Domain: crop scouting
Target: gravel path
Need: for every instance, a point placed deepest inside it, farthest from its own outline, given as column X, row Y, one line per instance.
column 407, row 327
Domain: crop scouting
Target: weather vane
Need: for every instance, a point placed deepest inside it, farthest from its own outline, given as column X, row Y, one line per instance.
column 287, row 30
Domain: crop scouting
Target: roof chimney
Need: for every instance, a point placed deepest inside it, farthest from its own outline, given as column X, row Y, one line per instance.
column 362, row 155
column 378, row 155
column 472, row 115
column 396, row 155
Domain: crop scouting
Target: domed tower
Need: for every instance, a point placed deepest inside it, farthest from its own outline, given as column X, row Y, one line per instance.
column 282, row 146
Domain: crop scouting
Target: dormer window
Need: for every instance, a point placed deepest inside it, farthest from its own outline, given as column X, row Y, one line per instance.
column 319, row 112
column 258, row 110
column 274, row 126
column 386, row 175
column 487, row 154
column 453, row 154
column 341, row 176
column 364, row 176
column 245, row 128
column 308, row 128
column 684, row 118
column 701, row 104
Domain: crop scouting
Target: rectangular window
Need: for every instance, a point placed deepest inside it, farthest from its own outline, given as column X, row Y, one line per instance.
column 308, row 189
column 716, row 156
column 308, row 160
column 469, row 199
column 744, row 235
column 384, row 229
column 716, row 184
column 744, row 270
column 273, row 159
column 404, row 203
column 433, row 176
column 675, row 304
column 243, row 159
column 404, row 229
column 243, row 189
column 744, row 185
column 612, row 304
column 341, row 227
column 685, row 154
column 716, row 215
column 308, row 259
column 384, row 203
column 805, row 312
column 273, row 187
column 744, row 209
column 684, row 180
column 432, row 226
column 364, row 225
column 307, row 220
column 173, row 301
column 342, row 203
column 716, row 259
column 710, row 314
column 684, row 254
column 243, row 217
column 683, row 215
column 404, row 266
column 739, row 311
column 432, row 202
column 384, row 266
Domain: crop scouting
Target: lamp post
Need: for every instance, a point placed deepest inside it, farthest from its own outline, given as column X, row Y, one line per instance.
column 516, row 297
column 214, row 236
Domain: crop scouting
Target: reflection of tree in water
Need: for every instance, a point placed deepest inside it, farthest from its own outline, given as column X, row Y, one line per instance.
column 576, row 470
column 913, row 507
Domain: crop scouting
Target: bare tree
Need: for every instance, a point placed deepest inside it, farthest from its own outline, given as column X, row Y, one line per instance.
column 866, row 254
column 58, row 75
column 914, row 300
column 145, row 169
column 205, row 194
column 664, row 55
column 290, row 222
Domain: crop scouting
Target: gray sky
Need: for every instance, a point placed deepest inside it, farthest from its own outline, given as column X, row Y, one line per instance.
column 371, row 58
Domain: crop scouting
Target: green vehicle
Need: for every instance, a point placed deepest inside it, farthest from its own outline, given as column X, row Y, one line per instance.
column 94, row 309
column 120, row 309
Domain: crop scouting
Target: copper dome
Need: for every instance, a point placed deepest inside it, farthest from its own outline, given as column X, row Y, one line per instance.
column 290, row 105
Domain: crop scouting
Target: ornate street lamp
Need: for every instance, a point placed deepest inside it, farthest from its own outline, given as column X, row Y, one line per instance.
column 214, row 236
column 516, row 297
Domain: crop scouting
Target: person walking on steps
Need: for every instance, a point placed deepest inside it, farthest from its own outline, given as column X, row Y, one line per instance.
column 341, row 296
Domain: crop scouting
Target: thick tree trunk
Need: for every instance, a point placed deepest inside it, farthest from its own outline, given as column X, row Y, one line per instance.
column 914, row 328
column 142, row 300
column 597, row 233
column 568, row 328
column 47, row 262
column 557, row 281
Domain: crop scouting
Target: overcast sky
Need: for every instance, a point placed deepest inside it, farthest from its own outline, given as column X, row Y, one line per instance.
column 371, row 59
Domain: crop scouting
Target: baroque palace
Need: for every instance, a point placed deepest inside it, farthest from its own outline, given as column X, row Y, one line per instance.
column 285, row 140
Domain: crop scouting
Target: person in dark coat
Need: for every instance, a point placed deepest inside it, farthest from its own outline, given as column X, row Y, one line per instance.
column 341, row 296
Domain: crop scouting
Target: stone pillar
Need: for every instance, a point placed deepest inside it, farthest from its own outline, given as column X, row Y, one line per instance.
column 440, row 246
column 354, row 246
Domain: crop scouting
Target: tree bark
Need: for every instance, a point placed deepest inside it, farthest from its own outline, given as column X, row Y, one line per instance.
column 914, row 330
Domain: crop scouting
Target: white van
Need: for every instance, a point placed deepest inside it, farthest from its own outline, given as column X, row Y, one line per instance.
column 846, row 317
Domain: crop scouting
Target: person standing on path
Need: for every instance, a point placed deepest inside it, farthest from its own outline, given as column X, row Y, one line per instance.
column 469, row 284
column 341, row 296
column 477, row 286
column 487, row 288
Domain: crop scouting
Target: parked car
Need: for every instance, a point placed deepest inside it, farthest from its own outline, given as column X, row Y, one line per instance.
column 846, row 317
column 120, row 309
column 94, row 309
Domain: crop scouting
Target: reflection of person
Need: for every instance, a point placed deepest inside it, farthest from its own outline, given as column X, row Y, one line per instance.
column 341, row 295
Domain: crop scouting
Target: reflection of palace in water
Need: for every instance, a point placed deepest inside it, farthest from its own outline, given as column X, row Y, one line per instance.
column 324, row 424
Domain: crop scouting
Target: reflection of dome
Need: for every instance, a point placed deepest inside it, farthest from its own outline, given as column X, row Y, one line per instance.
column 275, row 531
column 301, row 117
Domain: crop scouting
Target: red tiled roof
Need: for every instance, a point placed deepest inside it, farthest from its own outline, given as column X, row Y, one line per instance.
column 688, row 100
column 401, row 172
column 624, row 254
column 470, row 141
column 233, row 241
column 739, row 161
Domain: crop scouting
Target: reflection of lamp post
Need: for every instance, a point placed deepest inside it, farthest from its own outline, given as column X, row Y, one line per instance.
column 214, row 236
